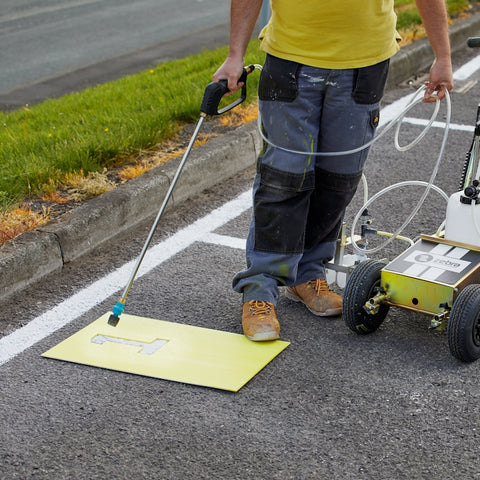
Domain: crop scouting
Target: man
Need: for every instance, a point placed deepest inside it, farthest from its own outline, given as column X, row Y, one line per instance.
column 319, row 91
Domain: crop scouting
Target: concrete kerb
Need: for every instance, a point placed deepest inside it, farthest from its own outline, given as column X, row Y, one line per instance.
column 30, row 257
column 103, row 217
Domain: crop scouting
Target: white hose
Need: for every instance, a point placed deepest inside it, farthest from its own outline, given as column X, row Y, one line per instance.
column 392, row 237
column 429, row 186
column 365, row 188
column 441, row 227
column 417, row 98
column 398, row 119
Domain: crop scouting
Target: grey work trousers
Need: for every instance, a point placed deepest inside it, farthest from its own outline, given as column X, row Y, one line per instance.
column 299, row 200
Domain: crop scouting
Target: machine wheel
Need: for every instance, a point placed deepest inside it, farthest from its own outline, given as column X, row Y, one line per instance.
column 362, row 285
column 463, row 327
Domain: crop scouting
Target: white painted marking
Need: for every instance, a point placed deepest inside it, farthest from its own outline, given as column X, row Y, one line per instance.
column 146, row 348
column 467, row 70
column 34, row 11
column 87, row 298
column 453, row 126
column 224, row 240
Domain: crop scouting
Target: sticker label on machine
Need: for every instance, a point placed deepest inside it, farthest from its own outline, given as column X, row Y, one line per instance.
column 435, row 262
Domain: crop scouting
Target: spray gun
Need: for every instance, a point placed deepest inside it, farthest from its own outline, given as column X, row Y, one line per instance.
column 214, row 93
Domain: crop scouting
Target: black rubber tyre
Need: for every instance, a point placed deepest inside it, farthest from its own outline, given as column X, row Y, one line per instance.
column 463, row 327
column 362, row 285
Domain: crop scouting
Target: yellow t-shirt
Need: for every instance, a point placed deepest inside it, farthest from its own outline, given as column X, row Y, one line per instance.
column 331, row 33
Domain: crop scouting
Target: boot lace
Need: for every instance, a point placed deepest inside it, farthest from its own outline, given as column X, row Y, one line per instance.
column 258, row 307
column 319, row 285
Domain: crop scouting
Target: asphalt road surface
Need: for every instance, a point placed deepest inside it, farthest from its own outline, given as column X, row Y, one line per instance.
column 51, row 47
column 333, row 405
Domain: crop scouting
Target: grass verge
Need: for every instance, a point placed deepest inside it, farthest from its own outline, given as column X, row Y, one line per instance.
column 102, row 127
column 409, row 23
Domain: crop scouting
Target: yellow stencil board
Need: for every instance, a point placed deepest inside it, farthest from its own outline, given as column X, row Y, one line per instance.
column 171, row 351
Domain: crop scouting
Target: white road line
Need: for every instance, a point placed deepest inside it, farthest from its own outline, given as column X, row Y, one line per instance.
column 424, row 123
column 87, row 298
column 224, row 240
column 467, row 70
column 34, row 11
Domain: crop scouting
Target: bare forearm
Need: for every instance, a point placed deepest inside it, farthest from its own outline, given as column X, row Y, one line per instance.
column 435, row 21
column 243, row 16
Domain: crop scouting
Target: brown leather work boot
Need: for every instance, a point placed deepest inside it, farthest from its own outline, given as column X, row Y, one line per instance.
column 317, row 297
column 259, row 321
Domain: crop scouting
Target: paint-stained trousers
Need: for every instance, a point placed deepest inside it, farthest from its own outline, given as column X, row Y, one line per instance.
column 299, row 200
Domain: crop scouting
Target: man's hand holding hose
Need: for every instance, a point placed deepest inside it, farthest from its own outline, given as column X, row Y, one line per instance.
column 435, row 21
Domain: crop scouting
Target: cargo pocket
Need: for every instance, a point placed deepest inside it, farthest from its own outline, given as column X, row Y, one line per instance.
column 278, row 80
column 369, row 83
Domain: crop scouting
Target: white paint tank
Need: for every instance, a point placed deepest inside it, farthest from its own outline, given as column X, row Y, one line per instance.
column 461, row 219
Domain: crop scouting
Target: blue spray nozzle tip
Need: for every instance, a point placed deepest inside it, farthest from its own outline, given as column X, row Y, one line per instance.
column 117, row 310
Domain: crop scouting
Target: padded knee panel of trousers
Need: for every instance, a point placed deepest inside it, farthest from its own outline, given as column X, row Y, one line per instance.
column 281, row 203
column 333, row 192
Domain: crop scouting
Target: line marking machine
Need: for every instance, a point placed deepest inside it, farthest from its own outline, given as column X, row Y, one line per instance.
column 439, row 275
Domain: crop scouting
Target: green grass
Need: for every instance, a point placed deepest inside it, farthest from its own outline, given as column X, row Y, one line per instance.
column 102, row 126
column 455, row 7
column 98, row 127
column 408, row 16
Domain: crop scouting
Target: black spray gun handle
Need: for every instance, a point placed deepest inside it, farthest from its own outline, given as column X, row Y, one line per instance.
column 216, row 90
